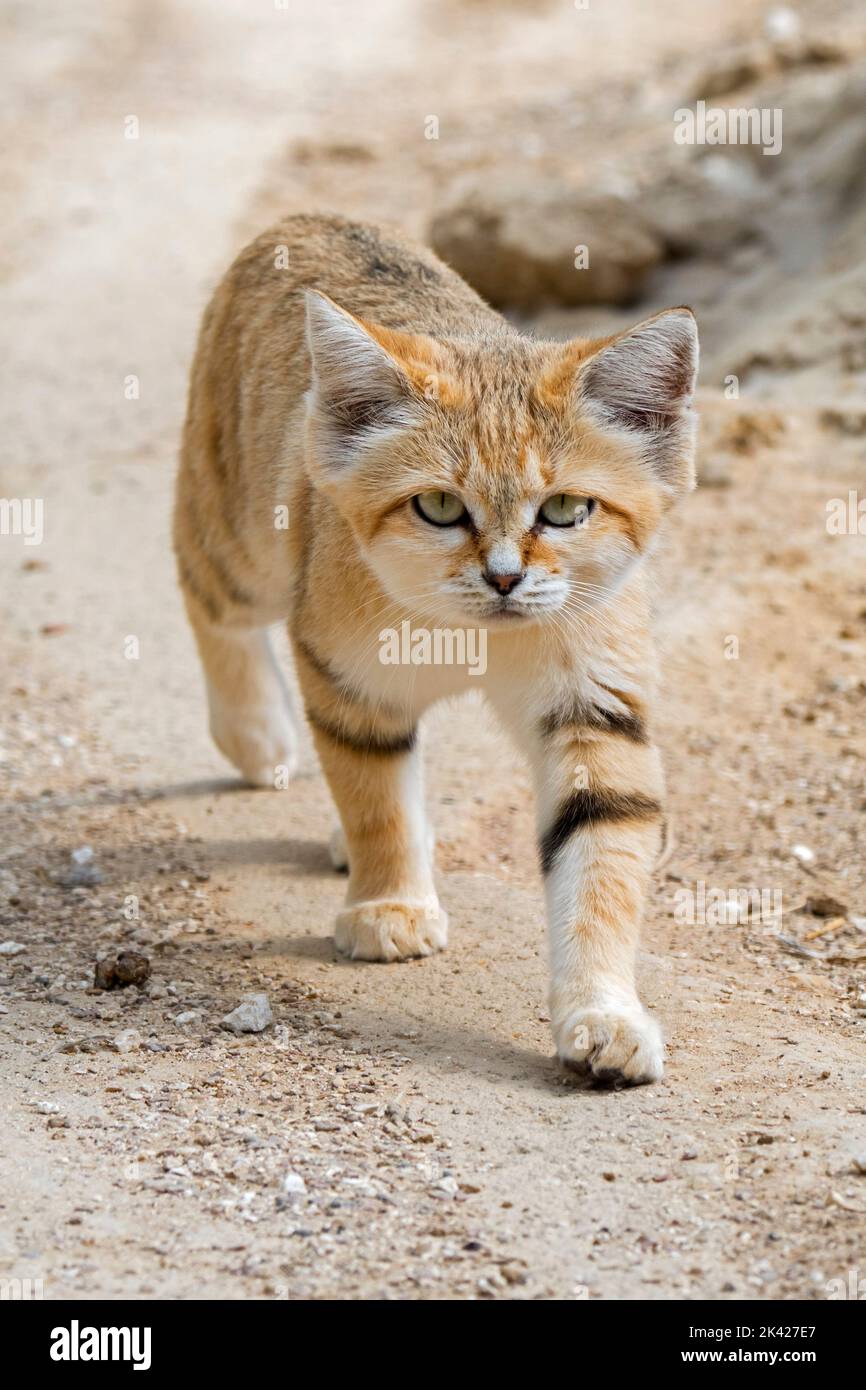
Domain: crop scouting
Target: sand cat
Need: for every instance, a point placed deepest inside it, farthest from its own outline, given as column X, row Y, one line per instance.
column 370, row 449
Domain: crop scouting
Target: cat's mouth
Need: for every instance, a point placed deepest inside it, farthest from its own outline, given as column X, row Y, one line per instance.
column 509, row 611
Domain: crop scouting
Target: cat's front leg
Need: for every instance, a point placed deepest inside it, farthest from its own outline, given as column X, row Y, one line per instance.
column 370, row 757
column 599, row 791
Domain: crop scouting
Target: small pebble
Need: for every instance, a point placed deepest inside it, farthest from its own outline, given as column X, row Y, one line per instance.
column 782, row 23
column 823, row 906
column 127, row 1041
column 252, row 1015
column 445, row 1187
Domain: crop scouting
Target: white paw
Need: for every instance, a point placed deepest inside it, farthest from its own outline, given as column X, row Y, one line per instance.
column 338, row 849
column 391, row 930
column 615, row 1044
column 261, row 743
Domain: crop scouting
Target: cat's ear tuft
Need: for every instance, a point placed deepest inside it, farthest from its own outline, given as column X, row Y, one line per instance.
column 642, row 384
column 356, row 384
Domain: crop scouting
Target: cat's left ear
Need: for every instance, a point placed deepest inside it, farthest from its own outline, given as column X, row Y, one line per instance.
column 366, row 381
column 641, row 385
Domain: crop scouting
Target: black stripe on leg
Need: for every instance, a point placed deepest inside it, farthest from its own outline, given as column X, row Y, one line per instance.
column 231, row 588
column 372, row 742
column 188, row 582
column 587, row 808
column 338, row 684
column 319, row 665
column 629, row 724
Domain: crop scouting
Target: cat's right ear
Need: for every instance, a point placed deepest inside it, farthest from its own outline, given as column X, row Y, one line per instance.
column 639, row 385
column 359, row 390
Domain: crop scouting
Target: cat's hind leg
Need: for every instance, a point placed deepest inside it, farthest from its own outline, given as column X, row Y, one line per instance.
column 251, row 720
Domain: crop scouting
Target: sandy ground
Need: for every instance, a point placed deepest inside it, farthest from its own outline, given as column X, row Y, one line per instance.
column 400, row 1131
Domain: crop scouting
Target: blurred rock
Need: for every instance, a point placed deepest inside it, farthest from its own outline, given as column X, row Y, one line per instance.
column 751, row 430
column 709, row 207
column 9, row 887
column 824, row 123
column 785, row 47
column 517, row 244
column 732, row 69
column 851, row 422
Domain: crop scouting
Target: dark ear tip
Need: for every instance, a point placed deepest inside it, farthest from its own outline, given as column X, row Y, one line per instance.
column 685, row 309
column 688, row 323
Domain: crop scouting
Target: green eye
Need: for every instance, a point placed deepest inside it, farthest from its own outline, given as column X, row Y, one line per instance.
column 439, row 508
column 565, row 510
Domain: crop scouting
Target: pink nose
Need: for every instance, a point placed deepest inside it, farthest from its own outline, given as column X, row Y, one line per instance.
column 503, row 582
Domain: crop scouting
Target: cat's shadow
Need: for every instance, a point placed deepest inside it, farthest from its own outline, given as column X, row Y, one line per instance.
column 230, row 785
column 458, row 1045
column 119, row 864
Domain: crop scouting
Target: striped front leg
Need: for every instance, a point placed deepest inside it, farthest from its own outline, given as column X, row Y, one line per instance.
column 370, row 757
column 600, row 790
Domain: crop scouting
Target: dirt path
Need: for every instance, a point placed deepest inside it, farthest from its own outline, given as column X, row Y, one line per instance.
column 401, row 1131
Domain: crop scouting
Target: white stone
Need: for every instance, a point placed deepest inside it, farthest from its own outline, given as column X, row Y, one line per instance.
column 252, row 1015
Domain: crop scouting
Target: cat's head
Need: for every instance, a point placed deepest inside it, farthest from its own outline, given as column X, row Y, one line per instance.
column 500, row 480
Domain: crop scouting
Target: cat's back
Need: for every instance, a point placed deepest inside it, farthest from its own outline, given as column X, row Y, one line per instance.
column 252, row 362
column 374, row 272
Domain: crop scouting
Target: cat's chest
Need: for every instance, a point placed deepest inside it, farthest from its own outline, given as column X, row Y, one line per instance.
column 414, row 665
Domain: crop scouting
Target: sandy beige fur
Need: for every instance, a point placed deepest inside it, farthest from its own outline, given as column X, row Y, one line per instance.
column 340, row 373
